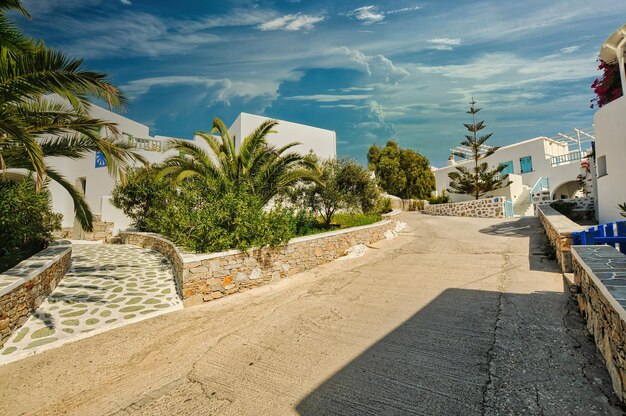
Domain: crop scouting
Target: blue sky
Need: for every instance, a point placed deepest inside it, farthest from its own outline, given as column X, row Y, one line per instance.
column 371, row 71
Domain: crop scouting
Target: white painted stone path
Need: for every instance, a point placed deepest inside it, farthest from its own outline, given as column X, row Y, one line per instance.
column 107, row 286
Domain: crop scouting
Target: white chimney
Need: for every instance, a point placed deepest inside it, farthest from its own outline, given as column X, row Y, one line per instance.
column 451, row 161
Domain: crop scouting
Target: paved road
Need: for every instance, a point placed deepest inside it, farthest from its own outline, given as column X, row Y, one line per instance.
column 456, row 316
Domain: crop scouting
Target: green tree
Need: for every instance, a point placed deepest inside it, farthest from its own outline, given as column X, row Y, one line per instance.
column 343, row 185
column 263, row 170
column 28, row 72
column 479, row 179
column 401, row 172
column 26, row 221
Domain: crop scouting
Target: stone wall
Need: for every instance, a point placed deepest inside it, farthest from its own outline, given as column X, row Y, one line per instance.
column 482, row 208
column 102, row 231
column 205, row 277
column 600, row 274
column 559, row 230
column 24, row 287
column 584, row 208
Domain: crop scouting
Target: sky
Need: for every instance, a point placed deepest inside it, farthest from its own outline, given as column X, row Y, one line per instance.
column 371, row 71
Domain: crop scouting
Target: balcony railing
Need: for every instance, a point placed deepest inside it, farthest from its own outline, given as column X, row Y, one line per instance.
column 567, row 158
column 149, row 145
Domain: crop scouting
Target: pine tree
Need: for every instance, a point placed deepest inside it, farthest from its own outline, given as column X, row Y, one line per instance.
column 478, row 180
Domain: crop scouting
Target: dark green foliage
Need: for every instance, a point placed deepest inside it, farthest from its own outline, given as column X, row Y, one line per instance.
column 355, row 220
column 199, row 220
column 564, row 207
column 622, row 206
column 384, row 206
column 401, row 172
column 479, row 179
column 343, row 185
column 142, row 197
column 26, row 221
column 444, row 198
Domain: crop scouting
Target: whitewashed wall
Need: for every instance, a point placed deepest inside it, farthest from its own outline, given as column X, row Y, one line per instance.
column 610, row 125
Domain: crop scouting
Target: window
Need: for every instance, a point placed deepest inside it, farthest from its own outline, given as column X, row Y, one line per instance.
column 602, row 166
column 526, row 164
column 508, row 168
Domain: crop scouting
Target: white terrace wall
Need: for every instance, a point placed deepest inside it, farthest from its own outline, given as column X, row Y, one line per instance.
column 205, row 277
column 24, row 287
column 482, row 208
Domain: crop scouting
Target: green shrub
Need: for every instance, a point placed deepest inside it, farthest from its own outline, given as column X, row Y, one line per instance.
column 564, row 207
column 26, row 221
column 384, row 206
column 355, row 220
column 444, row 198
column 198, row 220
column 142, row 197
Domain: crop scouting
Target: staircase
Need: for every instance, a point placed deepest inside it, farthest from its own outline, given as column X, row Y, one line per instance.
column 523, row 207
column 540, row 192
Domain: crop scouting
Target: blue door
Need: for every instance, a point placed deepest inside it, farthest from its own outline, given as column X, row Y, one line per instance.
column 508, row 168
column 526, row 164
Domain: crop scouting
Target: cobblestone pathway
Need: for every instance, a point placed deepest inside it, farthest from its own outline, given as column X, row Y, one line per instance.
column 107, row 286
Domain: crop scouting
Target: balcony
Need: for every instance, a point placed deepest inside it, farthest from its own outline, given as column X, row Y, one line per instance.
column 568, row 158
column 149, row 145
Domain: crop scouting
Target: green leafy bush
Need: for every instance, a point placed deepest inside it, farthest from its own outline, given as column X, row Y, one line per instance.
column 444, row 198
column 190, row 215
column 564, row 207
column 355, row 220
column 26, row 221
column 384, row 206
column 142, row 197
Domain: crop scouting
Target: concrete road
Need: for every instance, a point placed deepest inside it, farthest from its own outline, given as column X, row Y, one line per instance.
column 456, row 316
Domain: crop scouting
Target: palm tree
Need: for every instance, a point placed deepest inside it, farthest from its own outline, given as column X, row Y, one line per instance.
column 262, row 169
column 34, row 125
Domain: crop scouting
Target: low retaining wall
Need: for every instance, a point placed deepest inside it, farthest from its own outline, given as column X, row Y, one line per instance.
column 24, row 287
column 204, row 277
column 102, row 231
column 559, row 230
column 583, row 208
column 600, row 274
column 481, row 208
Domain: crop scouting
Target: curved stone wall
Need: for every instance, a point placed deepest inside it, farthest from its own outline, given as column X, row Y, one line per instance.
column 24, row 287
column 204, row 277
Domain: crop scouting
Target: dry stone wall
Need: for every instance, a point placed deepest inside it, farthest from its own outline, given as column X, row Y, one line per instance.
column 205, row 277
column 102, row 231
column 559, row 230
column 600, row 274
column 481, row 208
column 24, row 287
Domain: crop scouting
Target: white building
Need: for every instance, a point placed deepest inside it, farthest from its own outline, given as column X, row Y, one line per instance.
column 539, row 169
column 610, row 125
column 90, row 174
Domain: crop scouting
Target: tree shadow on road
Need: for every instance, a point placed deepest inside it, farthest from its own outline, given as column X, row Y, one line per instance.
column 447, row 360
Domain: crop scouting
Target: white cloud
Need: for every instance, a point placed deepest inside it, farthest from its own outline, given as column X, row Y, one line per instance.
column 404, row 10
column 444, row 44
column 327, row 98
column 367, row 14
column 378, row 67
column 570, row 49
column 221, row 90
column 236, row 17
column 292, row 22
column 126, row 2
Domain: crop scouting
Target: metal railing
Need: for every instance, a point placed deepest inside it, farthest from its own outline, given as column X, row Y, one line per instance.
column 508, row 209
column 542, row 183
column 149, row 145
column 569, row 157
